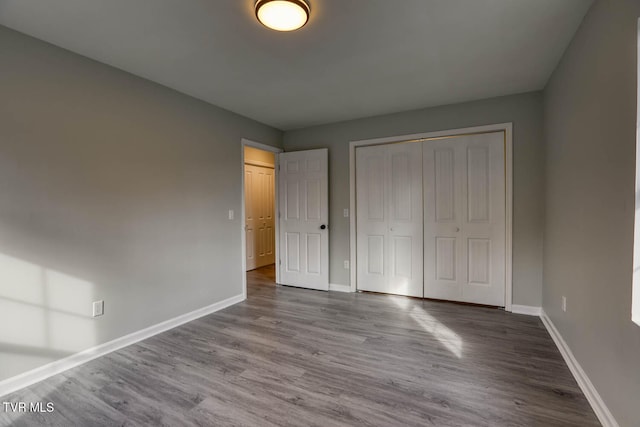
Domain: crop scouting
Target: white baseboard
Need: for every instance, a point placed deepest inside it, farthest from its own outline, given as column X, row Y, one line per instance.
column 526, row 309
column 599, row 407
column 339, row 288
column 43, row 372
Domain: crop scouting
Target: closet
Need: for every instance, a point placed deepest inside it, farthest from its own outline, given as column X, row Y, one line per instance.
column 431, row 218
column 259, row 215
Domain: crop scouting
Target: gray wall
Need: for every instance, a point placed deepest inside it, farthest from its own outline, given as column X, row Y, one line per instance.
column 590, row 127
column 525, row 111
column 114, row 188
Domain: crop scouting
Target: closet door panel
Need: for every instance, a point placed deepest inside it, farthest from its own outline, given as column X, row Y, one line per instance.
column 464, row 228
column 259, row 216
column 484, row 226
column 250, row 219
column 372, row 219
column 389, row 219
column 405, row 255
column 443, row 256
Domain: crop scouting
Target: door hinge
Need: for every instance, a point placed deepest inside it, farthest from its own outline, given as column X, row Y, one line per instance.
column 279, row 262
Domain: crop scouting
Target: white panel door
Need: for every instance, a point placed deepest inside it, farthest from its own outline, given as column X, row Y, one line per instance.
column 389, row 219
column 304, row 214
column 372, row 222
column 464, row 228
column 259, row 212
column 249, row 214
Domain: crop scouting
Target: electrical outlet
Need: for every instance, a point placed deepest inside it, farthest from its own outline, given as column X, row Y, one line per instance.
column 98, row 308
column 346, row 213
column 564, row 303
column 231, row 214
column 346, row 264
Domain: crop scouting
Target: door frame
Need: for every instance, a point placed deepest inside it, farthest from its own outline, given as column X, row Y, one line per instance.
column 249, row 143
column 507, row 128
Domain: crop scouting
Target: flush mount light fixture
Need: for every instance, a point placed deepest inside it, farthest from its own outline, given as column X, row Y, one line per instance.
column 282, row 15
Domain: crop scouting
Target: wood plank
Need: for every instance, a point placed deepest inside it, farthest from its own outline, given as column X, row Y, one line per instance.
column 290, row 356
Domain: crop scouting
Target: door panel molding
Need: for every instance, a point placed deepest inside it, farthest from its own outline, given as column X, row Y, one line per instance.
column 506, row 128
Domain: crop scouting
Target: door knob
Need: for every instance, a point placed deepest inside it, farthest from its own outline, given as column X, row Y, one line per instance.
column 322, row 227
column 457, row 229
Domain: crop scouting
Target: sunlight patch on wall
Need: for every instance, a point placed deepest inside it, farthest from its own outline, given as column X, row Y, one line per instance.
column 44, row 314
column 635, row 303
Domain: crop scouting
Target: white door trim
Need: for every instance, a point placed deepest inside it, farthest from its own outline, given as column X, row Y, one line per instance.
column 259, row 163
column 248, row 143
column 507, row 128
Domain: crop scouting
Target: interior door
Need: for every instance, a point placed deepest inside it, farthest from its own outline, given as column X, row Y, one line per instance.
column 259, row 212
column 464, row 228
column 267, row 245
column 389, row 219
column 304, row 213
column 250, row 220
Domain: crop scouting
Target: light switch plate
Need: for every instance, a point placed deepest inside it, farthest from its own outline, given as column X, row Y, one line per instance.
column 231, row 214
column 98, row 308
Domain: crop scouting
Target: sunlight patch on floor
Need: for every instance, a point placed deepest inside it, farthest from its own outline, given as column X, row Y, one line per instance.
column 447, row 337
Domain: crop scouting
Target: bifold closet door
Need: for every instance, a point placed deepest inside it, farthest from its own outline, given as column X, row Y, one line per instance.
column 389, row 219
column 464, row 211
column 259, row 190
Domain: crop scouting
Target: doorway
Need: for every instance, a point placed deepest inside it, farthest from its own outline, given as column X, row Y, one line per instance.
column 297, row 204
column 259, row 213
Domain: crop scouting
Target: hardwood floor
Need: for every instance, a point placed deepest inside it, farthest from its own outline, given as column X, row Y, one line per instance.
column 262, row 276
column 290, row 356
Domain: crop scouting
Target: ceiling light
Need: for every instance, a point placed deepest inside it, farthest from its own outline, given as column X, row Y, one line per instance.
column 282, row 15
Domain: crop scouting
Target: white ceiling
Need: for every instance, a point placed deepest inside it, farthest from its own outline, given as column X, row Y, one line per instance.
column 355, row 58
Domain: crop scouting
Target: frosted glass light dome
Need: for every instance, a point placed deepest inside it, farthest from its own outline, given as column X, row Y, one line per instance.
column 282, row 15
